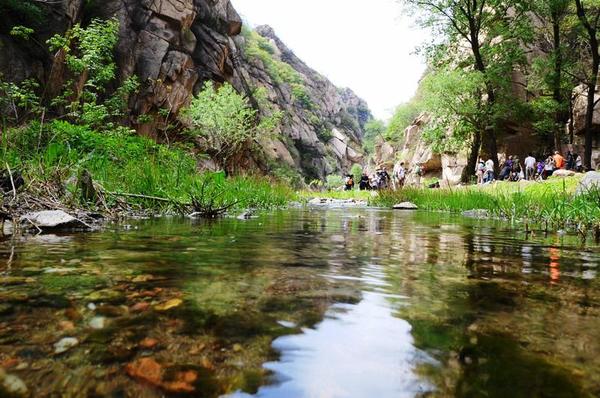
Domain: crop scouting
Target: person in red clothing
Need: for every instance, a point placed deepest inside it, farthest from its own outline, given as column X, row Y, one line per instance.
column 559, row 161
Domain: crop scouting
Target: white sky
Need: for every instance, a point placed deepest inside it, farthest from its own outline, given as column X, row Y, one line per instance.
column 369, row 48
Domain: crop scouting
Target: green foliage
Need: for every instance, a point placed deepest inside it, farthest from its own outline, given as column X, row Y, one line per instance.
column 259, row 48
column 374, row 129
column 551, row 204
column 24, row 12
column 356, row 171
column 227, row 122
column 18, row 101
column 404, row 116
column 334, row 182
column 22, row 32
column 456, row 106
column 121, row 161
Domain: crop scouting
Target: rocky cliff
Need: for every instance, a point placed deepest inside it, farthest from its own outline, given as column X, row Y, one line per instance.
column 174, row 46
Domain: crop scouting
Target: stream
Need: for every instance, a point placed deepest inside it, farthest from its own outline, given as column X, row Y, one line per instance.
column 315, row 303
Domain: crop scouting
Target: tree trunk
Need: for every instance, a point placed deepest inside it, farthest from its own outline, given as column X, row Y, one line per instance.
column 557, row 95
column 491, row 140
column 472, row 161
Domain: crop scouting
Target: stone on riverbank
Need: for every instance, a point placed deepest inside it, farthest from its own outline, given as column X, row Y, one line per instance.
column 406, row 206
column 591, row 181
column 477, row 213
column 52, row 219
column 564, row 173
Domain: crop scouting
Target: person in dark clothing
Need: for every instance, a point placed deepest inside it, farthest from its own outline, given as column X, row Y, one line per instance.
column 349, row 185
column 365, row 182
column 570, row 161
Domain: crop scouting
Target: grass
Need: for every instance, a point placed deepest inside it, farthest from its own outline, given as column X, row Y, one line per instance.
column 120, row 161
column 548, row 205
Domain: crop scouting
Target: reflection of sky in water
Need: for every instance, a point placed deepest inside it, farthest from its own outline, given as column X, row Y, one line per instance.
column 357, row 351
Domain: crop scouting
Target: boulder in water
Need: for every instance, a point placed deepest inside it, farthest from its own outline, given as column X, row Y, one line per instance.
column 406, row 206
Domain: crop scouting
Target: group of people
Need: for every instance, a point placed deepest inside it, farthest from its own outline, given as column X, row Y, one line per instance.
column 381, row 179
column 531, row 169
column 376, row 181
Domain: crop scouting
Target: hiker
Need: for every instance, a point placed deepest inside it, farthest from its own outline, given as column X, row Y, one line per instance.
column 570, row 161
column 559, row 161
column 418, row 172
column 540, row 170
column 578, row 163
column 349, row 184
column 530, row 166
column 516, row 170
column 384, row 179
column 399, row 176
column 364, row 183
column 489, row 171
column 506, row 169
column 549, row 167
column 479, row 171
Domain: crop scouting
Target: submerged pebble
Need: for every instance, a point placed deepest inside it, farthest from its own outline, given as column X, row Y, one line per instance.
column 12, row 385
column 98, row 322
column 65, row 344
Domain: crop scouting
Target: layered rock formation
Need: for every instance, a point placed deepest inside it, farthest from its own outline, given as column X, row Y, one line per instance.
column 174, row 46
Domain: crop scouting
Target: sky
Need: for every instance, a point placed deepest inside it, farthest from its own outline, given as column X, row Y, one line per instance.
column 368, row 48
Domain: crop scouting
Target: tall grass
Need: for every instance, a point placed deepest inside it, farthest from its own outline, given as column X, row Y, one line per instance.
column 121, row 161
column 549, row 205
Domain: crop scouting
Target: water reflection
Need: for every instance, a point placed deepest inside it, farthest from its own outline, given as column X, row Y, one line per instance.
column 304, row 303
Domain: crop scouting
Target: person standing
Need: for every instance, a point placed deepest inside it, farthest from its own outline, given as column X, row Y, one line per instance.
column 349, row 185
column 549, row 167
column 489, row 171
column 559, row 161
column 364, row 184
column 399, row 176
column 418, row 172
column 578, row 163
column 530, row 167
column 570, row 161
column 479, row 171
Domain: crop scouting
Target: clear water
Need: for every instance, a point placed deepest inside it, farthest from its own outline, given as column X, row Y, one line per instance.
column 303, row 303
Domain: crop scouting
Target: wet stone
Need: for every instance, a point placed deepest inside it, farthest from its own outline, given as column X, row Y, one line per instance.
column 106, row 296
column 11, row 385
column 65, row 345
column 98, row 322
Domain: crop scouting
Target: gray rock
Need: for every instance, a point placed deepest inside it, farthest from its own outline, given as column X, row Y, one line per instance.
column 476, row 213
column 98, row 322
column 406, row 206
column 12, row 385
column 564, row 173
column 65, row 344
column 591, row 181
column 52, row 219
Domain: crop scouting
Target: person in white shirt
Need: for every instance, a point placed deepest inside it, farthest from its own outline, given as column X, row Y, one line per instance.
column 530, row 163
column 489, row 171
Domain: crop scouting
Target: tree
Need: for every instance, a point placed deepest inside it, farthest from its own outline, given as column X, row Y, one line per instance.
column 458, row 113
column 588, row 13
column 551, row 76
column 492, row 31
column 227, row 122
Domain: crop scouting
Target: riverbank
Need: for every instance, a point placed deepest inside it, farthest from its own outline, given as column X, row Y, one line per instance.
column 550, row 205
column 118, row 173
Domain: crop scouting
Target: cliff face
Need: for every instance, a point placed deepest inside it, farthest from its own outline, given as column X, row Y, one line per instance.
column 322, row 127
column 174, row 46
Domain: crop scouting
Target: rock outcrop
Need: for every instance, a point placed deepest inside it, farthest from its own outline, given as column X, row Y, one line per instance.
column 174, row 46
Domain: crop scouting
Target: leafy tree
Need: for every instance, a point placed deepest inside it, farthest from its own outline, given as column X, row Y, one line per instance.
column 227, row 123
column 588, row 13
column 458, row 112
column 551, row 75
column 492, row 31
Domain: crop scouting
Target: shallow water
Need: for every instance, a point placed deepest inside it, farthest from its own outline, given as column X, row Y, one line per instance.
column 303, row 303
